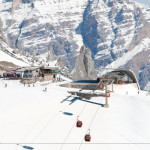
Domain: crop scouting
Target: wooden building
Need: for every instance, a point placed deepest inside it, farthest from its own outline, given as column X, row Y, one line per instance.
column 49, row 73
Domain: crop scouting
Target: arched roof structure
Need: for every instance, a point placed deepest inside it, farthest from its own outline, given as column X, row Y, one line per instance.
column 107, row 71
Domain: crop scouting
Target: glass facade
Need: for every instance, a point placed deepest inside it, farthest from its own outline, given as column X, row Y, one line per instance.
column 47, row 71
column 54, row 70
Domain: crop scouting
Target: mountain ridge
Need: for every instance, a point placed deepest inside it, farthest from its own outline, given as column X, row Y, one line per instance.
column 110, row 29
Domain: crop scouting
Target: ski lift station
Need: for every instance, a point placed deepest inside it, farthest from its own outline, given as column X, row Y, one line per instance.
column 115, row 79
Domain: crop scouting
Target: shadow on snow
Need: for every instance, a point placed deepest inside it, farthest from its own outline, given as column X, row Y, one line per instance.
column 79, row 98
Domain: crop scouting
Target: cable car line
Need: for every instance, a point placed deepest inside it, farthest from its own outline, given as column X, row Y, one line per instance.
column 73, row 126
column 52, row 119
column 94, row 117
column 75, row 123
column 89, row 127
column 45, row 125
column 67, row 135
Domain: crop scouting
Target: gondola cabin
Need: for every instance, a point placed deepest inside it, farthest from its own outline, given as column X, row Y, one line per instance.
column 79, row 124
column 87, row 138
column 101, row 86
column 120, row 82
column 107, row 94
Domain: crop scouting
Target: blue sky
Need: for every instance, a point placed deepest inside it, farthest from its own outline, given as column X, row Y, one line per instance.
column 147, row 2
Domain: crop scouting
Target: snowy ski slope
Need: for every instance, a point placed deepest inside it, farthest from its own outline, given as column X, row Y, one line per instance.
column 6, row 57
column 47, row 120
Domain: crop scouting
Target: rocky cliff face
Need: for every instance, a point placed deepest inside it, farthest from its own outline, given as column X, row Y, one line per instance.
column 111, row 29
column 2, row 37
column 84, row 66
column 11, row 58
column 35, row 25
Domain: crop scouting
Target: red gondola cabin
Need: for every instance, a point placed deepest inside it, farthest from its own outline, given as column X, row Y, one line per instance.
column 87, row 137
column 79, row 124
column 107, row 94
column 120, row 82
column 101, row 86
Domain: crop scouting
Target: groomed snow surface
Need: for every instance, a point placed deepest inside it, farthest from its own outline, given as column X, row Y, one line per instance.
column 31, row 118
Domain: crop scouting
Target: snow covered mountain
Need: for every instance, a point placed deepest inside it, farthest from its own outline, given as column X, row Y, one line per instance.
column 116, row 31
column 8, row 58
column 40, row 25
column 11, row 58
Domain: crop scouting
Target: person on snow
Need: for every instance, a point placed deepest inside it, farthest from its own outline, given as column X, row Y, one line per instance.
column 5, row 85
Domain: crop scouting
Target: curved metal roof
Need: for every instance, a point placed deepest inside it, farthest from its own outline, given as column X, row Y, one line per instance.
column 128, row 72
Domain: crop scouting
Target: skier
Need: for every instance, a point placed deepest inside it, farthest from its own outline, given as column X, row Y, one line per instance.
column 45, row 90
column 59, row 77
column 6, row 85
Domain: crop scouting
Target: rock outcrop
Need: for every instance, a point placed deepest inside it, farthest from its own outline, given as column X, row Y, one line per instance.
column 84, row 66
